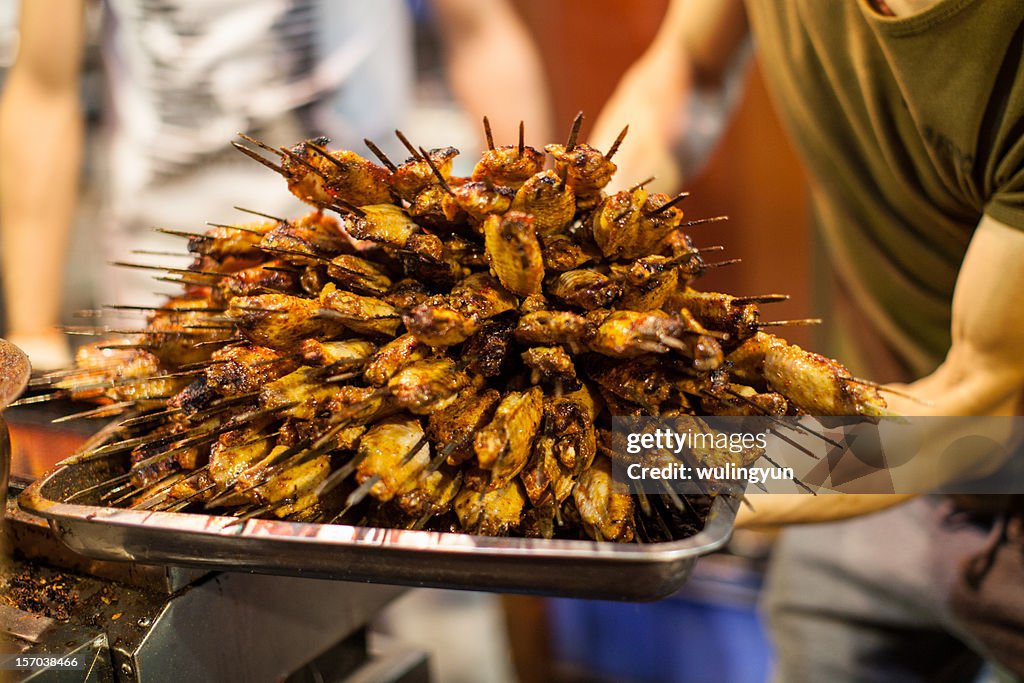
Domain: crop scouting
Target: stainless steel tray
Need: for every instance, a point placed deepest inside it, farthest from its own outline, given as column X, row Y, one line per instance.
column 569, row 568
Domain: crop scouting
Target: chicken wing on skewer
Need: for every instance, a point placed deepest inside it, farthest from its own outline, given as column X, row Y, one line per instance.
column 550, row 364
column 451, row 319
column 587, row 171
column 586, row 289
column 315, row 234
column 819, row 385
column 606, row 508
column 394, row 453
column 434, row 208
column 416, row 174
column 718, row 311
column 406, row 294
column 456, row 425
column 349, row 353
column 566, row 446
column 434, row 494
column 294, row 489
column 280, row 321
column 746, row 361
column 320, row 177
column 385, row 224
column 615, row 224
column 737, row 400
column 562, row 253
column 236, row 451
column 514, row 252
column 555, row 327
column 632, row 224
column 489, row 352
column 629, row 334
column 243, row 369
column 300, row 394
column 362, row 314
column 643, row 381
column 491, row 512
column 503, row 446
column 392, row 357
column 427, row 385
column 570, row 421
column 438, row 321
column 549, row 200
column 174, row 332
column 269, row 276
column 478, row 200
column 359, row 275
column 133, row 374
column 649, row 283
column 544, row 477
column 509, row 165
column 222, row 242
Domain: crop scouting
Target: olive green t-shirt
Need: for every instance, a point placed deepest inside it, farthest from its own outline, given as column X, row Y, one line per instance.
column 911, row 129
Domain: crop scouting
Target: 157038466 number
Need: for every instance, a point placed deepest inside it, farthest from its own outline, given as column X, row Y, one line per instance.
column 31, row 662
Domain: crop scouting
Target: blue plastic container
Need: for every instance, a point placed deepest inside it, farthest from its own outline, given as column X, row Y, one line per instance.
column 709, row 631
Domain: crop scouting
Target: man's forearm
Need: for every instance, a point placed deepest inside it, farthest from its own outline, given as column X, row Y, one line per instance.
column 778, row 509
column 983, row 374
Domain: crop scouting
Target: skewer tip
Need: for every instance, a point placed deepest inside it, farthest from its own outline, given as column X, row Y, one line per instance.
column 788, row 323
column 256, row 157
column 437, row 172
column 408, row 145
column 379, row 153
column 574, row 132
column 701, row 221
column 642, row 183
column 260, row 214
column 615, row 145
column 488, row 134
column 669, row 204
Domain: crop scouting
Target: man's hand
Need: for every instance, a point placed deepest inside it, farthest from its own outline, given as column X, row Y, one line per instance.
column 651, row 99
column 766, row 510
column 694, row 45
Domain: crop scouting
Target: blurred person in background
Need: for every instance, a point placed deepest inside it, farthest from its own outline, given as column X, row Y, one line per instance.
column 909, row 117
column 183, row 77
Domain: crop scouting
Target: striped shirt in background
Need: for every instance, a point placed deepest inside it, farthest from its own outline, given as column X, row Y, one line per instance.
column 186, row 75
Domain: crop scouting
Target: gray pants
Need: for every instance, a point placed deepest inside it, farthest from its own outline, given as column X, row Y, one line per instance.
column 868, row 599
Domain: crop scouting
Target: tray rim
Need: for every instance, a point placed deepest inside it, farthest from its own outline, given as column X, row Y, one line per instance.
column 716, row 532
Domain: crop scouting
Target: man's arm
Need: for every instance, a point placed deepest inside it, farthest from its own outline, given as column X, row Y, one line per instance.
column 694, row 46
column 495, row 69
column 983, row 373
column 40, row 159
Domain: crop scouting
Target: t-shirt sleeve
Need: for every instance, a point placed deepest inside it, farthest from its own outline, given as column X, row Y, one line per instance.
column 1005, row 176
